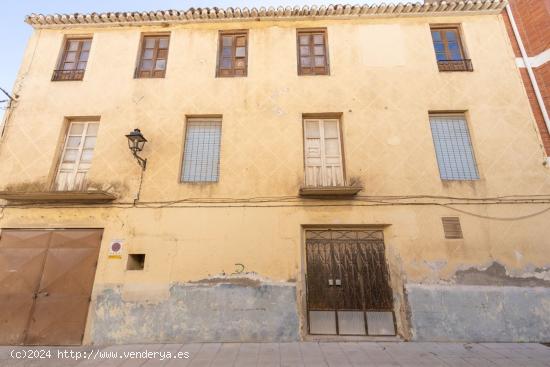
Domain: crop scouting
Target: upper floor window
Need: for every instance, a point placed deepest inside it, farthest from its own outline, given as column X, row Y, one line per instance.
column 73, row 59
column 201, row 156
column 153, row 56
column 312, row 52
column 453, row 147
column 449, row 50
column 233, row 53
column 77, row 154
column 323, row 152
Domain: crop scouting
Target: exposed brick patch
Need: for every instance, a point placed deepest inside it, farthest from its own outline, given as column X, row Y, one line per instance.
column 533, row 21
column 545, row 135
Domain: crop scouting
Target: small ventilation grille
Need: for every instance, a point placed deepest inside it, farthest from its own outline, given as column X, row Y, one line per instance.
column 451, row 227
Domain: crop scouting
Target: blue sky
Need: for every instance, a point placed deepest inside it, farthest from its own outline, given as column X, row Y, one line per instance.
column 15, row 32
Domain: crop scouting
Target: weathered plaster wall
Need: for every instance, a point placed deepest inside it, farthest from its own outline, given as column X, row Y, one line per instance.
column 383, row 78
column 185, row 247
column 384, row 89
column 479, row 313
column 223, row 310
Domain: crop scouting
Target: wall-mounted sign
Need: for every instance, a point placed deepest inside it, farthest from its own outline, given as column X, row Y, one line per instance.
column 115, row 249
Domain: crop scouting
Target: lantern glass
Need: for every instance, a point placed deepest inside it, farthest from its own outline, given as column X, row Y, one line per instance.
column 136, row 141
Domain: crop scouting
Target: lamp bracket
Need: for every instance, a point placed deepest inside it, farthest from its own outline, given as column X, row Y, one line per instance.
column 141, row 161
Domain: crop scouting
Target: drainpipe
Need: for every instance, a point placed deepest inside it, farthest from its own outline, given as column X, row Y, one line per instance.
column 532, row 78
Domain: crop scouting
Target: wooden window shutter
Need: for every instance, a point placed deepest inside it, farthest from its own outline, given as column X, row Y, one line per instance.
column 313, row 154
column 322, row 153
column 76, row 158
column 451, row 227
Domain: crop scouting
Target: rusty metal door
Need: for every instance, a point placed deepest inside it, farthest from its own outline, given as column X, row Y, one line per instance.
column 348, row 285
column 57, row 297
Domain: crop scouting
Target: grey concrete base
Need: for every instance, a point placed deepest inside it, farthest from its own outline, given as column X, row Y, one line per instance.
column 479, row 313
column 198, row 313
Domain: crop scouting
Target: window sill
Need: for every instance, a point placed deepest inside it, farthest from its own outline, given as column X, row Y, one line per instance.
column 90, row 197
column 330, row 191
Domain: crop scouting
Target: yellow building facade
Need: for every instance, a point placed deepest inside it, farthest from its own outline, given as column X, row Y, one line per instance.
column 238, row 255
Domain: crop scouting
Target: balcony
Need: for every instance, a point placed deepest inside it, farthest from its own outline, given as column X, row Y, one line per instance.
column 61, row 75
column 455, row 65
column 334, row 192
column 57, row 197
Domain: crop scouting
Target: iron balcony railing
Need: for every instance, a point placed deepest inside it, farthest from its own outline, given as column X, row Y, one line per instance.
column 76, row 74
column 455, row 65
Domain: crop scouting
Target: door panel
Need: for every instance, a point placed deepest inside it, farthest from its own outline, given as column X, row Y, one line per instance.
column 22, row 255
column 65, row 288
column 20, row 271
column 347, row 274
column 319, row 264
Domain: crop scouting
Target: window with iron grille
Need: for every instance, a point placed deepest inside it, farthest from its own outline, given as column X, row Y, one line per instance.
column 153, row 56
column 233, row 53
column 453, row 147
column 449, row 51
column 73, row 59
column 451, row 227
column 312, row 52
column 201, row 156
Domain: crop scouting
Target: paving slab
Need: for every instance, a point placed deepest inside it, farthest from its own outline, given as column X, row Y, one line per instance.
column 299, row 354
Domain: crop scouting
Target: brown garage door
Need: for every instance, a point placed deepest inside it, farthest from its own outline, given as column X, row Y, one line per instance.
column 46, row 279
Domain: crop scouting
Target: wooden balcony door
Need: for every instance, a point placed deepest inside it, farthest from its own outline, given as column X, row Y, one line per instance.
column 323, row 153
column 76, row 158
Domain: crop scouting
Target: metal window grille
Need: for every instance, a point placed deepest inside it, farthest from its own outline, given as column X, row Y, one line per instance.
column 453, row 148
column 201, row 157
column 451, row 227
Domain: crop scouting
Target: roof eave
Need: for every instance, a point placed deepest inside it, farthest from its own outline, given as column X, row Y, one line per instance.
column 214, row 15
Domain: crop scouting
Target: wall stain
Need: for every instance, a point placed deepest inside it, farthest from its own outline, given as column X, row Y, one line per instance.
column 496, row 274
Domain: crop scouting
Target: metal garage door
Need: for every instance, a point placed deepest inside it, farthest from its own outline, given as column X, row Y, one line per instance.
column 46, row 279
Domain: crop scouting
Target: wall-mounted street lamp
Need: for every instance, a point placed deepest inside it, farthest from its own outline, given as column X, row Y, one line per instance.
column 136, row 141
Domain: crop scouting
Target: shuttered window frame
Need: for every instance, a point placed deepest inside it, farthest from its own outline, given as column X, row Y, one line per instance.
column 193, row 148
column 81, row 56
column 153, row 72
column 450, row 157
column 81, row 164
column 312, row 31
column 219, row 57
column 320, row 120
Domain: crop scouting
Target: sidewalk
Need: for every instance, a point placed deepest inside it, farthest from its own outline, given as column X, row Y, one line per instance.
column 284, row 354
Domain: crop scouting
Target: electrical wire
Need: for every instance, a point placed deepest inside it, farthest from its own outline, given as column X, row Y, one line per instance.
column 297, row 202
